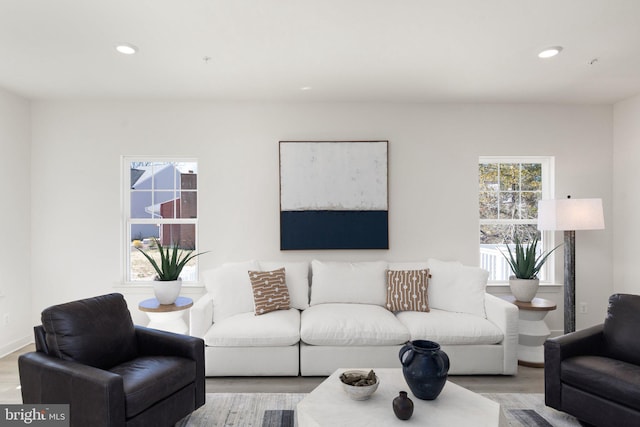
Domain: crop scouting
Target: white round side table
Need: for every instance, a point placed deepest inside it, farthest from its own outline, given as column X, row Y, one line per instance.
column 167, row 317
column 532, row 330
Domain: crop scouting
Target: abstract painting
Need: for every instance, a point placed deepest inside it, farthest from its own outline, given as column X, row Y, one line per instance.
column 333, row 195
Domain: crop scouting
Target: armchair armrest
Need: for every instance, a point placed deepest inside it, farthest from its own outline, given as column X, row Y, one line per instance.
column 505, row 316
column 153, row 342
column 46, row 379
column 201, row 317
column 584, row 342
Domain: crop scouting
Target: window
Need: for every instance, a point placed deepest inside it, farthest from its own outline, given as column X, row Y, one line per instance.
column 160, row 202
column 509, row 192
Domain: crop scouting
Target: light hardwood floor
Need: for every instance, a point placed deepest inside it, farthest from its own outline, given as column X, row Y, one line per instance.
column 528, row 380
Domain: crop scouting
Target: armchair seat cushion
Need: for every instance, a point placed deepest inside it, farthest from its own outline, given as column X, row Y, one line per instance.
column 611, row 379
column 149, row 379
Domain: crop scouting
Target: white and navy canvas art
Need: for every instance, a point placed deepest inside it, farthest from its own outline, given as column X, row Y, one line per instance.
column 333, row 195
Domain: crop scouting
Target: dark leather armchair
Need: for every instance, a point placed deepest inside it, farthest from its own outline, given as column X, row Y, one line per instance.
column 594, row 374
column 112, row 373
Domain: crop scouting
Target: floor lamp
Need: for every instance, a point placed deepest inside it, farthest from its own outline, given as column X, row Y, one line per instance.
column 570, row 215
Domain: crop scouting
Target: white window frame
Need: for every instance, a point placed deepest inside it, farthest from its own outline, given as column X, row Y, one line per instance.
column 127, row 221
column 548, row 185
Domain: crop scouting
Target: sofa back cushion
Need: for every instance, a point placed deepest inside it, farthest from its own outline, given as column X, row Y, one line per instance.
column 230, row 287
column 95, row 331
column 348, row 282
column 297, row 278
column 456, row 287
column 621, row 328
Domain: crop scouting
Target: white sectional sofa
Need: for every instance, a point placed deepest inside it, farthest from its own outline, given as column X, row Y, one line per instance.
column 338, row 318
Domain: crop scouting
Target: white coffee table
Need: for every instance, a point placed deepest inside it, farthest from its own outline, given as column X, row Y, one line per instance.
column 329, row 405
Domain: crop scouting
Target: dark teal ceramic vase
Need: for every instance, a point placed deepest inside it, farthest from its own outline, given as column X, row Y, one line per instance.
column 425, row 367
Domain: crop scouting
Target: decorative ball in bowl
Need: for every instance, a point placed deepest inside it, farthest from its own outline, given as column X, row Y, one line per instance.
column 359, row 385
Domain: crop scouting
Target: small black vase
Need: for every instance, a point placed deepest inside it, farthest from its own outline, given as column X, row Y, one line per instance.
column 403, row 406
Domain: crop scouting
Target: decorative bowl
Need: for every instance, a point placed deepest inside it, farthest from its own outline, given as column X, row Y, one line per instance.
column 359, row 392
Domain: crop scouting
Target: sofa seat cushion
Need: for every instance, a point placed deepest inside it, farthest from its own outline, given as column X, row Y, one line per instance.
column 611, row 379
column 275, row 329
column 447, row 328
column 149, row 379
column 351, row 324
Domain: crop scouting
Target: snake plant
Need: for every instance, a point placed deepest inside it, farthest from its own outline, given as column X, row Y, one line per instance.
column 524, row 262
column 172, row 261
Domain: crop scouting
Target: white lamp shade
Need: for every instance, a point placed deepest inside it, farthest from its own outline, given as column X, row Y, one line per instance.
column 570, row 214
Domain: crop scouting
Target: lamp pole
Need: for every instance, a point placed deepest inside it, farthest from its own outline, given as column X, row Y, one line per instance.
column 569, row 281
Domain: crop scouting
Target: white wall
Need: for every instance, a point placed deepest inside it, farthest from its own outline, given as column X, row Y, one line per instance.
column 15, row 285
column 433, row 154
column 626, row 203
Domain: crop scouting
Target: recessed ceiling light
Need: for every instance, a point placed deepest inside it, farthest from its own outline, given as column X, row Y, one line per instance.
column 550, row 52
column 126, row 49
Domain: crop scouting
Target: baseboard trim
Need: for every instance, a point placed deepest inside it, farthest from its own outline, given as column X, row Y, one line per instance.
column 9, row 348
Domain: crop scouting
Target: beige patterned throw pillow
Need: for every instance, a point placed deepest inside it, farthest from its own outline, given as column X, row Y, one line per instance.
column 270, row 291
column 407, row 290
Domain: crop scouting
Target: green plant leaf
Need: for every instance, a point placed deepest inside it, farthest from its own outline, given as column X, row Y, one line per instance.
column 523, row 261
column 172, row 260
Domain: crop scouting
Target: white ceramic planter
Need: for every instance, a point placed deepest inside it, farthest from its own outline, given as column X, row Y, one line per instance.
column 524, row 289
column 167, row 291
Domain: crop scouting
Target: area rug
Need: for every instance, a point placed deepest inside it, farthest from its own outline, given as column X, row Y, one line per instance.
column 278, row 410
column 528, row 409
column 245, row 409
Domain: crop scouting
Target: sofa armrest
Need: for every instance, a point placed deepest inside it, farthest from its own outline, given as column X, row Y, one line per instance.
column 153, row 342
column 95, row 397
column 584, row 342
column 505, row 316
column 201, row 317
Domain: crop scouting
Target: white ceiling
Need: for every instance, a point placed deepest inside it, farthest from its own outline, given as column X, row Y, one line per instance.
column 345, row 50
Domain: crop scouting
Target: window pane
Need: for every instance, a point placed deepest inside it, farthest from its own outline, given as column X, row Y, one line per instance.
column 531, row 177
column 509, row 177
column 141, row 204
column 488, row 205
column 188, row 204
column 165, row 204
column 488, row 174
column 137, row 173
column 529, row 204
column 142, row 237
column 509, row 205
column 145, row 232
column 188, row 180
